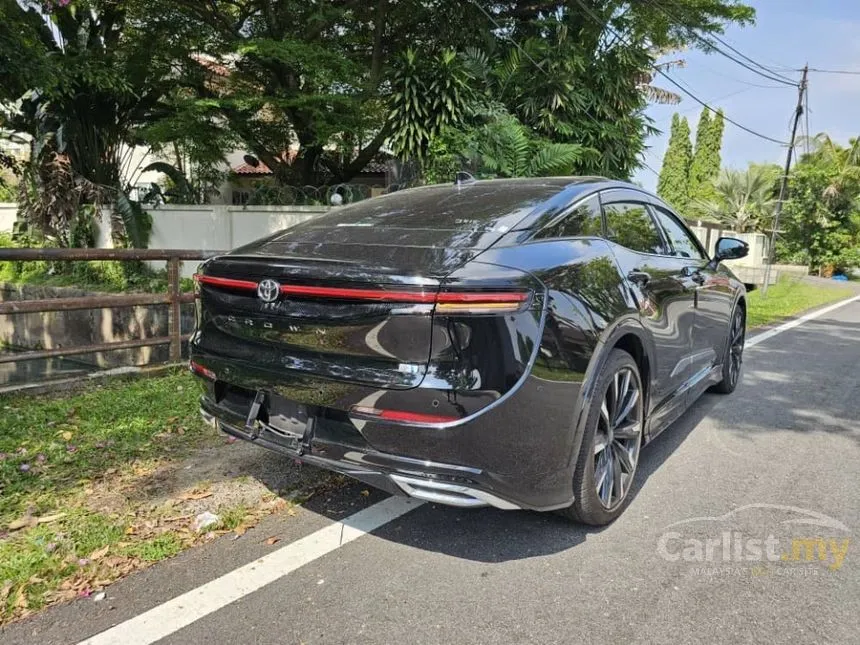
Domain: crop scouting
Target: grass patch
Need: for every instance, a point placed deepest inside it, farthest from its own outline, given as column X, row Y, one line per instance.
column 99, row 483
column 231, row 518
column 52, row 546
column 51, row 447
column 156, row 549
column 789, row 297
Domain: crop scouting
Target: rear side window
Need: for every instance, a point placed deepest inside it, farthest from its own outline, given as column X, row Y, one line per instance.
column 683, row 244
column 583, row 220
column 631, row 225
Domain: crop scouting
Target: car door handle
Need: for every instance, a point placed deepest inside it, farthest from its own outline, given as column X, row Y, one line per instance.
column 639, row 277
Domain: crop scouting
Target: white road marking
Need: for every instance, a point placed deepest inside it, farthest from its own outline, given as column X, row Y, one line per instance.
column 173, row 615
column 760, row 338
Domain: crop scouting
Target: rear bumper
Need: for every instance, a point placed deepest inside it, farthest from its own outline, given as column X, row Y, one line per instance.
column 337, row 446
column 425, row 480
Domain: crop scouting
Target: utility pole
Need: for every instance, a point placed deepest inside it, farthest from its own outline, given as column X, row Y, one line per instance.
column 783, row 186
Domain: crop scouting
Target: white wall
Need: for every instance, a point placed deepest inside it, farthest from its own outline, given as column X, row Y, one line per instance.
column 7, row 216
column 213, row 227
column 758, row 242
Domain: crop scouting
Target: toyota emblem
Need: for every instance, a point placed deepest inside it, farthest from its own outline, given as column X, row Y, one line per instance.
column 268, row 290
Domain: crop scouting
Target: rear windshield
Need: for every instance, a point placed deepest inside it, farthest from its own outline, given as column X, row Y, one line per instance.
column 485, row 205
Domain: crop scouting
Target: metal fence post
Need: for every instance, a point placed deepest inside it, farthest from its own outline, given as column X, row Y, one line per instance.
column 174, row 321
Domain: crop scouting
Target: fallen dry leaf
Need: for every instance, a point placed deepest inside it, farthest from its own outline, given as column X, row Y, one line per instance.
column 67, row 436
column 365, row 493
column 273, row 540
column 291, row 512
column 176, row 518
column 240, row 530
column 23, row 522
column 47, row 519
column 100, row 553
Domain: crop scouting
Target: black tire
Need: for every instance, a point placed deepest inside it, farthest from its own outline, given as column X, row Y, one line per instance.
column 734, row 354
column 590, row 507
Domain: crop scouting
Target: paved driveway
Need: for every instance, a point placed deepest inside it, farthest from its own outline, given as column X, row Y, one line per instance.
column 742, row 529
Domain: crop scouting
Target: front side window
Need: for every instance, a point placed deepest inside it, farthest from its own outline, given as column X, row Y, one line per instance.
column 631, row 226
column 683, row 244
column 582, row 220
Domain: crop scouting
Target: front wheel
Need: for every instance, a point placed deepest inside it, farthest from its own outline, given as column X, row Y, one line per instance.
column 611, row 443
column 734, row 355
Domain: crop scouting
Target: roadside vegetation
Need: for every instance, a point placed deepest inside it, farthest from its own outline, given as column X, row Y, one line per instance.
column 103, row 276
column 789, row 297
column 102, row 482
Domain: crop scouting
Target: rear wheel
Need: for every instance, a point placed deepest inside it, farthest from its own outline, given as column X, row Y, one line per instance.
column 734, row 355
column 611, row 443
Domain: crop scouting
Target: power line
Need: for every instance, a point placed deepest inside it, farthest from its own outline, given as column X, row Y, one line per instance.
column 835, row 71
column 714, row 100
column 754, row 62
column 743, row 82
column 677, row 84
column 770, row 74
column 708, row 107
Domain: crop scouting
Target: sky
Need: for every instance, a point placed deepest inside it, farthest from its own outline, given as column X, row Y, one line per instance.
column 787, row 34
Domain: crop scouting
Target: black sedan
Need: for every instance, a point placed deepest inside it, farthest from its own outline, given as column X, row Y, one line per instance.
column 511, row 343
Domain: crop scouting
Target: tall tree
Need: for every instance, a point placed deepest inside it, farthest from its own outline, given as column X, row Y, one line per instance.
column 674, row 182
column 314, row 90
column 822, row 215
column 705, row 167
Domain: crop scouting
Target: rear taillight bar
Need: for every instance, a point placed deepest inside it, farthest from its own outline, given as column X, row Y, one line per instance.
column 445, row 301
column 199, row 370
column 398, row 416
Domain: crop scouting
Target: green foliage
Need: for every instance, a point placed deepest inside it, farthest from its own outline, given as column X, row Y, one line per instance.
column 97, row 275
column 819, row 219
column 429, row 94
column 705, row 167
column 505, row 148
column 674, row 180
column 7, row 192
column 743, row 200
column 136, row 222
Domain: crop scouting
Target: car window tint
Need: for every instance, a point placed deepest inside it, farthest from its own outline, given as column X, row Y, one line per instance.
column 683, row 244
column 583, row 220
column 631, row 226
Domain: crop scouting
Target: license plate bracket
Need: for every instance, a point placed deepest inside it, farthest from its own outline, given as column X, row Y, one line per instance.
column 287, row 423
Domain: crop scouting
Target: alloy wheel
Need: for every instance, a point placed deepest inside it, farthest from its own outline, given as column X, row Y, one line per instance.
column 618, row 438
column 736, row 346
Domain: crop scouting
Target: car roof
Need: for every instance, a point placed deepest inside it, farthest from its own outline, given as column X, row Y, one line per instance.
column 483, row 208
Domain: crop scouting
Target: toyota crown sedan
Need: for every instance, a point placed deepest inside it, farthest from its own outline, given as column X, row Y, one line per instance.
column 511, row 343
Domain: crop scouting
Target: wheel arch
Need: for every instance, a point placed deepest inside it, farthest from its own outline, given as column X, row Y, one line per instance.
column 629, row 335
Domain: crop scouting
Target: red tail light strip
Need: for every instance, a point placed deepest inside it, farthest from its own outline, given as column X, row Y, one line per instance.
column 229, row 283
column 205, row 372
column 508, row 298
column 400, row 415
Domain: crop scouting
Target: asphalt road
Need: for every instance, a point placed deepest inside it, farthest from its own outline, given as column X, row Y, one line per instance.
column 769, row 468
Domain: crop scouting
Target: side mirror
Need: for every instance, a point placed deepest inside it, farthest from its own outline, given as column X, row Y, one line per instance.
column 730, row 248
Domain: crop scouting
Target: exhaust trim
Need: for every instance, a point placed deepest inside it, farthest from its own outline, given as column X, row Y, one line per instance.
column 432, row 490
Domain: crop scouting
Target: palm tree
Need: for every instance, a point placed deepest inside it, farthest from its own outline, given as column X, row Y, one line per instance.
column 745, row 198
column 846, row 162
